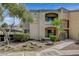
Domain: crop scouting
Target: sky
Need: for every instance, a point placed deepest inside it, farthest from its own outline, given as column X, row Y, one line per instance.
column 37, row 6
column 10, row 20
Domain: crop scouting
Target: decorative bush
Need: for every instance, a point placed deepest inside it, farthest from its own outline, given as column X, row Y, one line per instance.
column 21, row 37
column 52, row 37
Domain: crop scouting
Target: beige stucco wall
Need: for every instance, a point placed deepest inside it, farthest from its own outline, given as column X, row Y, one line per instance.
column 63, row 14
column 34, row 27
column 37, row 28
column 74, row 24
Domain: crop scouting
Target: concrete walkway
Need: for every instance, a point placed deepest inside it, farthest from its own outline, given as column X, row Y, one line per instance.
column 55, row 50
column 62, row 45
column 69, row 52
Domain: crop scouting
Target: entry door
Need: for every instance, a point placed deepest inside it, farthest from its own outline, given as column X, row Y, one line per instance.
column 48, row 31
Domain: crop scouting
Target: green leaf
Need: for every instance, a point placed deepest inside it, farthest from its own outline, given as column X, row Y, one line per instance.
column 56, row 22
column 61, row 29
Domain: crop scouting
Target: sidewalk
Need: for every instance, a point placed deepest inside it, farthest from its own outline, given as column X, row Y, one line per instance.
column 69, row 52
column 55, row 50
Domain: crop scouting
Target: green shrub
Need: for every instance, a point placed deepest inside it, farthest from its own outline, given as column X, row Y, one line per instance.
column 52, row 37
column 22, row 37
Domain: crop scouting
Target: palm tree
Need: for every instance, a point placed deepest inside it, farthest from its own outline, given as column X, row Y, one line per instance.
column 57, row 23
column 16, row 11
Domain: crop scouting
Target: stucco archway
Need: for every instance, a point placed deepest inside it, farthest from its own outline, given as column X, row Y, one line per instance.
column 50, row 16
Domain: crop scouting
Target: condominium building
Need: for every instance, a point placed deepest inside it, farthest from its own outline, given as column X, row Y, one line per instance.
column 41, row 26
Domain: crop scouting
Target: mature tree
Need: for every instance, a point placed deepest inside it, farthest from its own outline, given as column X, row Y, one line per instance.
column 15, row 11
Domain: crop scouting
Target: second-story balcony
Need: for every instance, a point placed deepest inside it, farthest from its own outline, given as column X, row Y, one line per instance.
column 65, row 24
column 50, row 17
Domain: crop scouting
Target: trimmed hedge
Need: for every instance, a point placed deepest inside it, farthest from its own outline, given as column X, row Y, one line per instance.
column 21, row 37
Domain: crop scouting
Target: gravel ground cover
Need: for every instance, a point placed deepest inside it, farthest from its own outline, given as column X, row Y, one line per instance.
column 25, row 46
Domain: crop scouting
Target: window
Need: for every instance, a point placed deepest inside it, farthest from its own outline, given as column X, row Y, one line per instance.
column 50, row 19
column 50, row 16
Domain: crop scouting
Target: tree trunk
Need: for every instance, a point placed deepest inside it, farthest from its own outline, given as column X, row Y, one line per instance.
column 7, row 34
column 58, row 35
column 11, row 27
